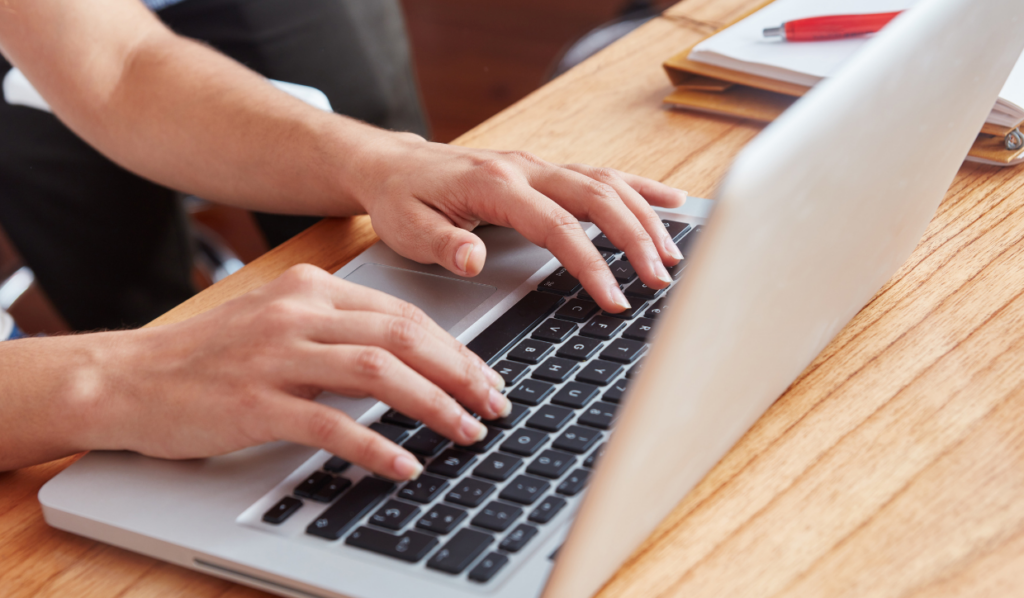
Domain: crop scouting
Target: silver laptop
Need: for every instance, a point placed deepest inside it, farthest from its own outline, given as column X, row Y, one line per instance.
column 815, row 215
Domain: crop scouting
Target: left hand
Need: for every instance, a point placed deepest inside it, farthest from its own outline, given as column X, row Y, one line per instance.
column 425, row 198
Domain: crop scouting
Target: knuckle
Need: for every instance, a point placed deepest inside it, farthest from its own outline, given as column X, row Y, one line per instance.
column 412, row 313
column 404, row 333
column 605, row 175
column 372, row 362
column 499, row 169
column 443, row 243
column 602, row 191
column 283, row 314
column 365, row 447
column 303, row 275
column 561, row 224
column 525, row 157
column 324, row 427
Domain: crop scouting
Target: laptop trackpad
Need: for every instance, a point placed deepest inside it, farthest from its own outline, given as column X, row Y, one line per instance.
column 446, row 300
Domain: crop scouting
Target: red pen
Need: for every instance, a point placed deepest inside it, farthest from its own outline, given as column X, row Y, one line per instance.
column 832, row 27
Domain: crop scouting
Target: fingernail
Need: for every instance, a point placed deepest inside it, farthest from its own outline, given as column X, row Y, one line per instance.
column 473, row 429
column 683, row 195
column 499, row 404
column 662, row 273
column 493, row 377
column 407, row 468
column 619, row 299
column 462, row 257
column 673, row 249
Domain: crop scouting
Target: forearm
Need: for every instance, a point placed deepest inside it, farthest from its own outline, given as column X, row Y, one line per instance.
column 52, row 396
column 183, row 115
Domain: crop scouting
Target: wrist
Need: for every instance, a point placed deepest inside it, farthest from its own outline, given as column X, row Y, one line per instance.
column 379, row 162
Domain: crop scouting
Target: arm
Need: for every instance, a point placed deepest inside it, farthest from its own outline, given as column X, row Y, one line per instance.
column 242, row 374
column 185, row 116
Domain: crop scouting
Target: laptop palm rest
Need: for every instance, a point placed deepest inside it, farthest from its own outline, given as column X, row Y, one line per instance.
column 445, row 300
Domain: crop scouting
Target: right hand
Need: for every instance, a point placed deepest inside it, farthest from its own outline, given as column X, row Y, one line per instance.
column 244, row 373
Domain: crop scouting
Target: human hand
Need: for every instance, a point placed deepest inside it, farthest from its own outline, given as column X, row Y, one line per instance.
column 244, row 373
column 425, row 198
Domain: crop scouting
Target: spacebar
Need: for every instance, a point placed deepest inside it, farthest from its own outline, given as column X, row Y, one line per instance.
column 355, row 503
column 513, row 324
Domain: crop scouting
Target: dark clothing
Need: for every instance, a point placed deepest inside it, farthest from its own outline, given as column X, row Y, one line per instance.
column 113, row 250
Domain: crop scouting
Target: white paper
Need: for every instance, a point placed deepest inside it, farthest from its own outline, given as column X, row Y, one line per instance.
column 744, row 48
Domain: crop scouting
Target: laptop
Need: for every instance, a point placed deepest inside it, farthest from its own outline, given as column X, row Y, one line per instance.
column 617, row 417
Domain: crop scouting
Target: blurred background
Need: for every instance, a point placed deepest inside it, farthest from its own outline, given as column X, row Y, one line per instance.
column 473, row 59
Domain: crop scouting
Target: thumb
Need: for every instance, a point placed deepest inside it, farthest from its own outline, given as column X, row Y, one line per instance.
column 435, row 239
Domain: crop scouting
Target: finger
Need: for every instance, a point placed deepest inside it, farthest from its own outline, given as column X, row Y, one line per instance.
column 545, row 223
column 367, row 370
column 449, row 365
column 307, row 281
column 621, row 213
column 431, row 238
column 656, row 193
column 312, row 424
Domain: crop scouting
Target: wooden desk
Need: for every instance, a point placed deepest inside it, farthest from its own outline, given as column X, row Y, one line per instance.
column 893, row 467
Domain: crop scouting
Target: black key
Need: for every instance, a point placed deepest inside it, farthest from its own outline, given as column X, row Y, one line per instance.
column 524, row 442
column 616, row 391
column 554, row 331
column 524, row 490
column 657, row 308
column 623, row 350
column 629, row 314
column 550, row 418
column 577, row 439
column 512, row 419
column 676, row 270
column 623, row 271
column 426, row 442
column 639, row 330
column 577, row 310
column 635, row 370
column 492, row 438
column 395, row 514
column 351, row 507
column 452, row 463
column 599, row 372
column 395, row 434
column 513, row 324
column 584, row 294
column 579, row 348
column 598, row 415
column 560, row 282
column 423, row 489
column 336, row 465
column 594, row 456
column 685, row 244
column 555, row 369
column 572, row 485
column 470, row 492
column 460, row 551
column 601, row 241
column 397, row 419
column 530, row 351
column 410, row 546
column 608, row 255
column 518, row 538
column 488, row 567
column 332, row 489
column 575, row 395
column 551, row 464
column 531, row 392
column 603, row 327
column 510, row 371
column 497, row 516
column 497, row 467
column 310, row 485
column 282, row 510
column 442, row 519
column 547, row 509
column 676, row 229
column 642, row 291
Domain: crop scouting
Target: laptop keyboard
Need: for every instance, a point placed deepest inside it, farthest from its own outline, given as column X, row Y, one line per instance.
column 567, row 366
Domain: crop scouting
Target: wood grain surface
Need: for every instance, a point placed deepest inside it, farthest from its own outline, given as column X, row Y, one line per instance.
column 894, row 466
